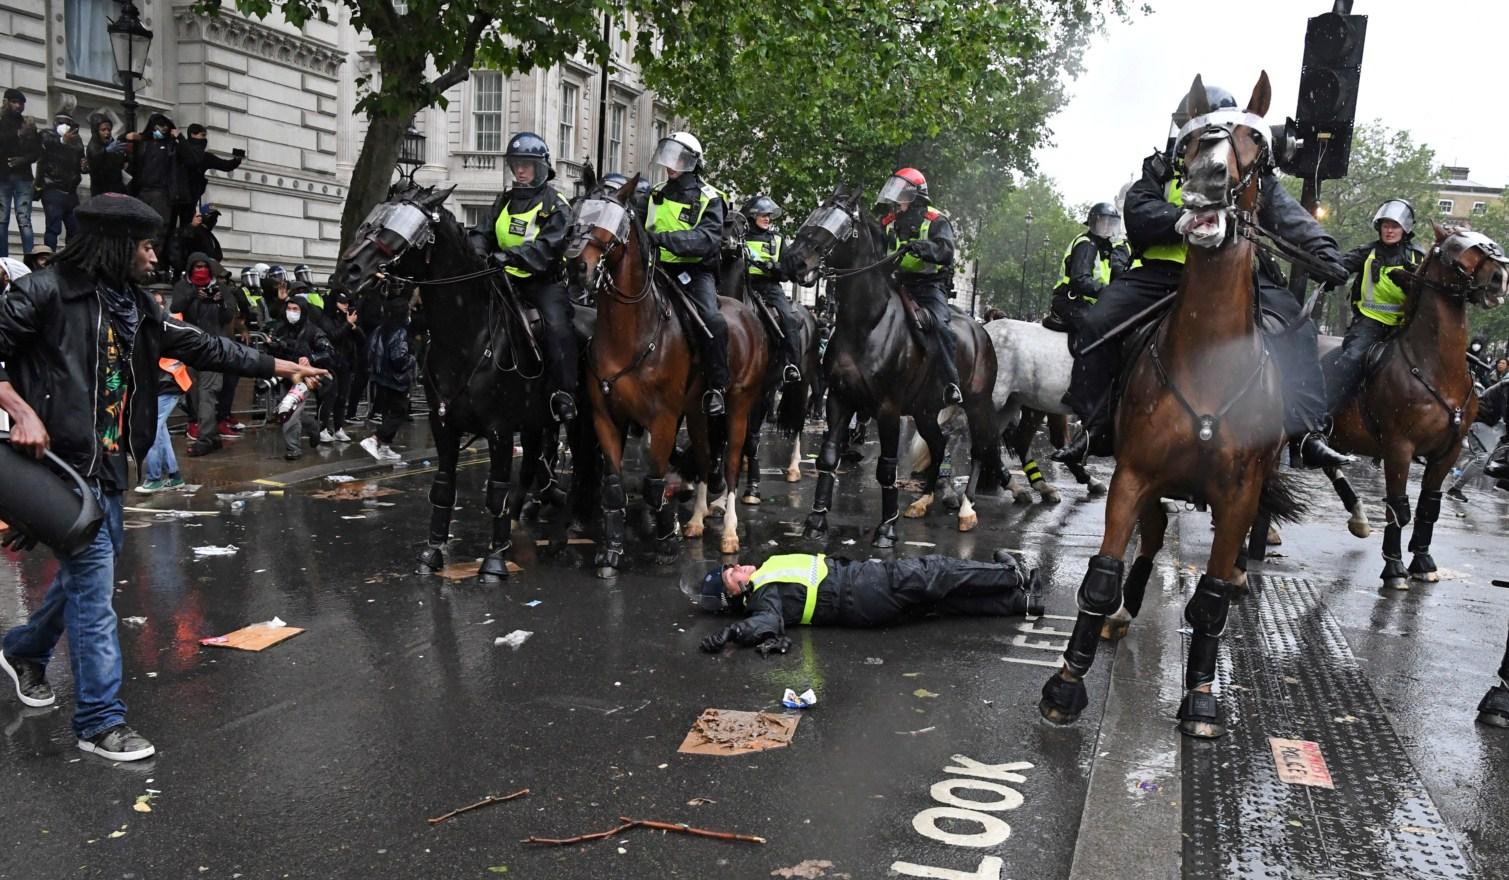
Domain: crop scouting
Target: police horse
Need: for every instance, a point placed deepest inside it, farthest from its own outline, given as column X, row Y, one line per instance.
column 643, row 371
column 1201, row 417
column 480, row 375
column 878, row 368
column 1418, row 400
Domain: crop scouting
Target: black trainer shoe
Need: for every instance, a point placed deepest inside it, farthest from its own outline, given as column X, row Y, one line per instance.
column 712, row 402
column 1456, row 493
column 563, row 405
column 1314, row 452
column 791, row 375
column 119, row 743
column 952, row 394
column 31, row 682
column 1076, row 452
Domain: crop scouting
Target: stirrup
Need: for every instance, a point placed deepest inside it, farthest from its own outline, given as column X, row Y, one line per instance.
column 712, row 402
column 952, row 394
column 563, row 405
column 791, row 375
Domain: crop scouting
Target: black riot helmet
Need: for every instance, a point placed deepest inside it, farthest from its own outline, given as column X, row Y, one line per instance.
column 762, row 204
column 613, row 181
column 1103, row 220
column 527, row 150
column 303, row 273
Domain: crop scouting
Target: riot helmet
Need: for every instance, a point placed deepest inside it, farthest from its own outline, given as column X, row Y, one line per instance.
column 1103, row 220
column 1398, row 210
column 613, row 181
column 276, row 273
column 762, row 204
column 906, row 185
column 251, row 279
column 303, row 273
column 528, row 159
column 678, row 151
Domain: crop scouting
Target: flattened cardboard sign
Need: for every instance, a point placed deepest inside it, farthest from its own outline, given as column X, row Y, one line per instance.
column 730, row 732
column 1300, row 762
column 257, row 637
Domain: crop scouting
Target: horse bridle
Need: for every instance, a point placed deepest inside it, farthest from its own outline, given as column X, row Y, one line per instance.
column 605, row 282
column 1221, row 125
column 823, row 270
column 1460, row 241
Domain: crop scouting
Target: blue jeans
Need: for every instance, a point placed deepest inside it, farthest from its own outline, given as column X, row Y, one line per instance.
column 160, row 459
column 15, row 192
column 57, row 207
column 78, row 603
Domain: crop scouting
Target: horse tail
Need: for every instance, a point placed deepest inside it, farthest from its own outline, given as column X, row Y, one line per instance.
column 1284, row 498
column 791, row 414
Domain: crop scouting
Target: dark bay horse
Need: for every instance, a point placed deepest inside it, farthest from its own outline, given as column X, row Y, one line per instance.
column 1420, row 402
column 877, row 367
column 1201, row 417
column 642, row 372
column 477, row 380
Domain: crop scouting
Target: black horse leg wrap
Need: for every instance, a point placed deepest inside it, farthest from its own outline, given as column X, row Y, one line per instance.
column 827, row 459
column 1344, row 491
column 885, row 472
column 1100, row 591
column 654, row 493
column 1080, row 654
column 1398, row 508
column 822, row 499
column 443, row 490
column 1136, row 586
column 1429, row 511
column 1504, row 667
column 613, row 493
column 497, row 498
column 1206, row 611
column 1201, row 669
column 440, row 525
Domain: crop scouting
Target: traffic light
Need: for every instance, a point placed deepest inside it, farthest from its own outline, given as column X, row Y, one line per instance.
column 1328, row 95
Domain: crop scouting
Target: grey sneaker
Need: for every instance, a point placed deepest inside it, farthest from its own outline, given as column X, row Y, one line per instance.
column 119, row 743
column 31, row 682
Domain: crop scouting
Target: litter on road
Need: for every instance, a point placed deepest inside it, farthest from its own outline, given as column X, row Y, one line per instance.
column 652, row 824
column 730, row 732
column 211, row 550
column 513, row 639
column 805, row 700
column 487, row 801
column 257, row 637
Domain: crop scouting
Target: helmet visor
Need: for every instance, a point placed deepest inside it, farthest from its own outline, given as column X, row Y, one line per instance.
column 302, row 273
column 602, row 214
column 675, row 156
column 528, row 170
column 408, row 222
column 895, row 190
column 831, row 220
column 1105, row 225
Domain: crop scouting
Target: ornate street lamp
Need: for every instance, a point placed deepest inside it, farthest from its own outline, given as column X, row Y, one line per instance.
column 1021, row 294
column 129, row 43
column 410, row 154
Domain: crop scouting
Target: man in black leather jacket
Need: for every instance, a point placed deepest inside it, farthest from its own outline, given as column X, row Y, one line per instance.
column 80, row 343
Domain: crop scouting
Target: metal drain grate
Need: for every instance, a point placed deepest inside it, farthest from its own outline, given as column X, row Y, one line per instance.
column 1286, row 671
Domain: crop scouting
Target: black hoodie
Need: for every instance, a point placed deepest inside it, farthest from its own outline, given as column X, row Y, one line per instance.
column 155, row 164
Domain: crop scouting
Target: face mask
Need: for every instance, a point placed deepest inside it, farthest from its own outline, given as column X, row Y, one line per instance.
column 293, row 316
column 62, row 129
column 156, row 134
column 199, row 277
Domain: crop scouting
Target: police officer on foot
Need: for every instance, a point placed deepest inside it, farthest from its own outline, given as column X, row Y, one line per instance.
column 526, row 233
column 73, row 340
column 1088, row 265
column 924, row 239
column 686, row 224
column 1377, row 301
column 764, row 245
column 815, row 589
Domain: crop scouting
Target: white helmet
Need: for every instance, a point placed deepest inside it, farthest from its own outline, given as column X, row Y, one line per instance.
column 1398, row 210
column 678, row 151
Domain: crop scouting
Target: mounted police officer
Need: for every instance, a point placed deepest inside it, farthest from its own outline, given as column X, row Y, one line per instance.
column 525, row 231
column 1152, row 211
column 1090, row 261
column 685, row 221
column 924, row 240
column 764, row 245
column 1377, row 301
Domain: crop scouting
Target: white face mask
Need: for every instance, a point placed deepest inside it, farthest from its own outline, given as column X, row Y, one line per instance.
column 62, row 129
column 293, row 316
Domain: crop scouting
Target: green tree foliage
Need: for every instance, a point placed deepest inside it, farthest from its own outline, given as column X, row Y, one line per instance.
column 1021, row 262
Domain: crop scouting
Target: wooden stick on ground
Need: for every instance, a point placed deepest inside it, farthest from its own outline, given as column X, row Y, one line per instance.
column 490, row 799
column 630, row 824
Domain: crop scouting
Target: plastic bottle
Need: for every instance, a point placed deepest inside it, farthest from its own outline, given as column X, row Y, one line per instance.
column 291, row 401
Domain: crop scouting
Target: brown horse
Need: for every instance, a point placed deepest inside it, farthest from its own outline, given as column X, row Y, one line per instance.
column 1420, row 402
column 642, row 371
column 1201, row 416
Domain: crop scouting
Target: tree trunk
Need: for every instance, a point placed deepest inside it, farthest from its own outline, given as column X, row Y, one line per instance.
column 373, row 173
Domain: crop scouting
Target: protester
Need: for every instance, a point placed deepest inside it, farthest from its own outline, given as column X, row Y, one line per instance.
column 348, row 339
column 72, row 339
column 198, row 297
column 39, row 258
column 199, row 235
column 20, row 147
column 11, row 270
column 299, row 338
column 106, row 157
column 197, row 159
column 391, row 366
column 173, row 382
column 815, row 589
column 158, row 178
column 59, row 173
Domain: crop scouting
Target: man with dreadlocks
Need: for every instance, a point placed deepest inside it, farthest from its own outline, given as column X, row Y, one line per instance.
column 72, row 339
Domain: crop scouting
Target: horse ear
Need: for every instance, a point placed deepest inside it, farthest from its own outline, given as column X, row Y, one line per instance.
column 1262, row 96
column 1441, row 231
column 626, row 191
column 434, row 198
column 1197, row 103
column 589, row 177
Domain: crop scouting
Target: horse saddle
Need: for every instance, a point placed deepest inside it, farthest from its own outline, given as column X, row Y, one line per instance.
column 683, row 306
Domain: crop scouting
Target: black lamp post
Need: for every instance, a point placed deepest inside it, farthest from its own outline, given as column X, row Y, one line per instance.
column 1021, row 295
column 1042, row 259
column 129, row 42
column 410, row 153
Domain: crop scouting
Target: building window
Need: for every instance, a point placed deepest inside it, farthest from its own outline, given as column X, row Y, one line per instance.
column 570, row 109
column 88, row 44
column 660, row 131
column 1479, row 207
column 487, row 111
column 617, row 119
column 1445, row 206
column 475, row 215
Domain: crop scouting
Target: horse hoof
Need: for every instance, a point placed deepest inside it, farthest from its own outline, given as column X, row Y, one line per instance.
column 1396, row 583
column 1063, row 700
column 1196, row 729
column 1274, row 538
column 691, row 530
column 884, row 538
column 1425, row 577
column 967, row 522
column 606, row 572
column 1096, row 488
column 729, row 545
column 1360, row 528
column 431, row 560
column 794, row 475
column 1200, row 716
column 666, row 557
column 1021, row 496
column 1239, row 581
column 917, row 509
column 816, row 526
column 750, row 499
column 1116, row 627
column 1494, row 710
column 1049, row 494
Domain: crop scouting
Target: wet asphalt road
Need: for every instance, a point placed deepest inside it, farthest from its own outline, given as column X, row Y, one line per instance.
column 322, row 756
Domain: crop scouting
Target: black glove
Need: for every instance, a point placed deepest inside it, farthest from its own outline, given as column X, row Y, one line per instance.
column 774, row 645
column 17, row 541
column 715, row 642
column 1157, row 167
column 915, row 247
column 506, row 259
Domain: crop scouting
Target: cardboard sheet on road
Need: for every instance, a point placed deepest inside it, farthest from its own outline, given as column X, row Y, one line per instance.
column 257, row 637
column 354, row 492
column 730, row 732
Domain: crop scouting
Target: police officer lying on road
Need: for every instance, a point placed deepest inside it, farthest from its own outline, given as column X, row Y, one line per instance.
column 816, row 589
